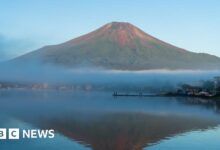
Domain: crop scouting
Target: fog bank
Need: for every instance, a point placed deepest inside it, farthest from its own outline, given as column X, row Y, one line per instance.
column 37, row 73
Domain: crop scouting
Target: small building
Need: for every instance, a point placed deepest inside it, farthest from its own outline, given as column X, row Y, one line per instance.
column 191, row 90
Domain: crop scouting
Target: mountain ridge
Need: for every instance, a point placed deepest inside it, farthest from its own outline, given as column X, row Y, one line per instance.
column 121, row 45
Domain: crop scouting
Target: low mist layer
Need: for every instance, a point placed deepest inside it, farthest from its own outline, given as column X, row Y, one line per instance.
column 34, row 73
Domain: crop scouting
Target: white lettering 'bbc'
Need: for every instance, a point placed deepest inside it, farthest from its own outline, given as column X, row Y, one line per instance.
column 3, row 133
column 34, row 133
column 13, row 134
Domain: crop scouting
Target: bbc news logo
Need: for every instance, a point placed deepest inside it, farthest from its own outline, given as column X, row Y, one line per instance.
column 16, row 134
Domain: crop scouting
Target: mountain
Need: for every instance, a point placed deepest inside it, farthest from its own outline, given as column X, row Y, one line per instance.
column 120, row 45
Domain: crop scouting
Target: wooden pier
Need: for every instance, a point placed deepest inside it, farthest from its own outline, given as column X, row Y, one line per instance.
column 140, row 94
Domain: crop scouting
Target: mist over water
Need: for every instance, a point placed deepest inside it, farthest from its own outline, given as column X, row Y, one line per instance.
column 154, row 79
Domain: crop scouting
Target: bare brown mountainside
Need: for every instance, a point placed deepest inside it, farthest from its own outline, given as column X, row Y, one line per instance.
column 120, row 45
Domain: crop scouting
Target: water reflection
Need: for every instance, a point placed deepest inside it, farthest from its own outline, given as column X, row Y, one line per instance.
column 124, row 131
column 99, row 121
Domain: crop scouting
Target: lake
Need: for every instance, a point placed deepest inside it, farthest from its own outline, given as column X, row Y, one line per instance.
column 98, row 121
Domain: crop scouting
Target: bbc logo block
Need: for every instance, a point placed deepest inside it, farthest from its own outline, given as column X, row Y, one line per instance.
column 3, row 133
column 13, row 133
column 16, row 134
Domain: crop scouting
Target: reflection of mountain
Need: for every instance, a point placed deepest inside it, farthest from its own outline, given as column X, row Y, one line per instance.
column 123, row 131
column 105, row 123
column 121, row 46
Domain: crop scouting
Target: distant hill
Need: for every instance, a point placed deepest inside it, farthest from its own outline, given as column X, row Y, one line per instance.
column 123, row 46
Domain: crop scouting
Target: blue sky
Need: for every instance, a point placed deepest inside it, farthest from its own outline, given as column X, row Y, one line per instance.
column 27, row 25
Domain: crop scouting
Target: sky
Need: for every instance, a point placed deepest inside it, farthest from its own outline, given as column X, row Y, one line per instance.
column 28, row 25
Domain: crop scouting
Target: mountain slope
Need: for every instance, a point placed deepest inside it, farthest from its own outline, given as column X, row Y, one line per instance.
column 121, row 46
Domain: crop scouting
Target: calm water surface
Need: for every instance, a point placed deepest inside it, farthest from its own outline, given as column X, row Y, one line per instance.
column 98, row 121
